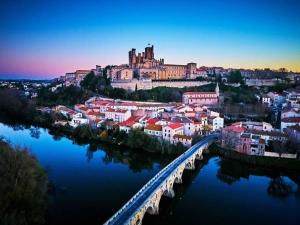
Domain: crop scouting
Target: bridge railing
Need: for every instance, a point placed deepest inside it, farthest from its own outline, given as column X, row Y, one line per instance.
column 211, row 138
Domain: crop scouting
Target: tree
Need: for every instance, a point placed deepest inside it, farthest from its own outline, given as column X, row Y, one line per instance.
column 23, row 189
column 84, row 132
column 235, row 77
column 278, row 146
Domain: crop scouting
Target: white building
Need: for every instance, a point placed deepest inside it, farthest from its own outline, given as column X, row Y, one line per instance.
column 170, row 130
column 78, row 120
column 290, row 112
column 153, row 130
column 266, row 100
column 288, row 122
column 217, row 123
column 134, row 122
column 184, row 139
column 257, row 125
column 117, row 115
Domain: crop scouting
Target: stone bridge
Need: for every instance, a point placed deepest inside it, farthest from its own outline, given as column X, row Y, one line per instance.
column 147, row 199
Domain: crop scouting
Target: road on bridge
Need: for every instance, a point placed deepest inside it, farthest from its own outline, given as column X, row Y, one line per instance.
column 124, row 214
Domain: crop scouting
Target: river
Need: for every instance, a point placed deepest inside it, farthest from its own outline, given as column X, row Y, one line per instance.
column 92, row 183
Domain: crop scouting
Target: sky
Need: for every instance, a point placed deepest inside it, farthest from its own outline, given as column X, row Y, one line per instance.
column 47, row 38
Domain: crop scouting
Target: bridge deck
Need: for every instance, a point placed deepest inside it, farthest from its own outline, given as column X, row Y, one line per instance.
column 129, row 209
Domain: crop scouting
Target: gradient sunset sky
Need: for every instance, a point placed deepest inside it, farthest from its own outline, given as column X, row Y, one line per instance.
column 47, row 38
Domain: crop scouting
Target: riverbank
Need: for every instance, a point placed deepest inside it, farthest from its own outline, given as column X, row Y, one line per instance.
column 136, row 139
column 263, row 161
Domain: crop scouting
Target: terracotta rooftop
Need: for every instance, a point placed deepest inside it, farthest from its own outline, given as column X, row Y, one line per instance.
column 130, row 121
column 182, row 137
column 154, row 127
column 175, row 125
column 236, row 129
column 153, row 121
column 92, row 113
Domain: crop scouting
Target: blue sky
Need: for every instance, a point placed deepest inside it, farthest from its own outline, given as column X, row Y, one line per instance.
column 48, row 38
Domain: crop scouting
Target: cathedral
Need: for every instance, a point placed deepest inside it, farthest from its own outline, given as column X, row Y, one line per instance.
column 145, row 66
column 148, row 67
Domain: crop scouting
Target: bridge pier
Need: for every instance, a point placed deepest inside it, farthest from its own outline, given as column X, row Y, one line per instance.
column 169, row 193
column 199, row 157
column 132, row 213
column 190, row 165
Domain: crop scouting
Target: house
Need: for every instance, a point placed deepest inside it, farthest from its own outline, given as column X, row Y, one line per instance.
column 170, row 130
column 268, row 135
column 188, row 124
column 78, row 120
column 288, row 122
column 277, row 99
column 290, row 112
column 251, row 144
column 153, row 130
column 117, row 115
column 184, row 139
column 131, row 123
column 216, row 122
column 183, row 108
column 231, row 135
column 92, row 115
column 257, row 125
column 266, row 100
column 201, row 98
column 65, row 111
column 152, row 121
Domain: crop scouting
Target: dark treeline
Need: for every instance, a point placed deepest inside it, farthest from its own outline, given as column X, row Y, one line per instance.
column 14, row 106
column 23, row 189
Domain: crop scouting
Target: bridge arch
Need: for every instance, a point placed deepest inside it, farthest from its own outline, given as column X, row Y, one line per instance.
column 148, row 198
column 150, row 210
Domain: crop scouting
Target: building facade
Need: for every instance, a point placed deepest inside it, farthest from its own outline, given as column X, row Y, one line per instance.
column 202, row 98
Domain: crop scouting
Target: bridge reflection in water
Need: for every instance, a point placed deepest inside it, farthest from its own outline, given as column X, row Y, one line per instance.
column 148, row 197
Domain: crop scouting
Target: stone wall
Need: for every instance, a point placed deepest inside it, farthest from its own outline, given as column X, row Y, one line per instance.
column 178, row 84
column 147, row 84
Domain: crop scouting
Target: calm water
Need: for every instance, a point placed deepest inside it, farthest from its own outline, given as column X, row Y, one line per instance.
column 92, row 184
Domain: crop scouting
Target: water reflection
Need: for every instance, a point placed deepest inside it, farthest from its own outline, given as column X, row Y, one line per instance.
column 278, row 187
column 136, row 161
column 35, row 132
column 231, row 171
column 103, row 177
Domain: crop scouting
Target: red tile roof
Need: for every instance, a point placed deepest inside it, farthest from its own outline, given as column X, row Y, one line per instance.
column 175, row 125
column 152, row 121
column 236, row 129
column 154, row 127
column 92, row 113
column 130, row 122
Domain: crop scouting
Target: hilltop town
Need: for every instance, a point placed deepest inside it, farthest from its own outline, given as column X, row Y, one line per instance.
column 256, row 112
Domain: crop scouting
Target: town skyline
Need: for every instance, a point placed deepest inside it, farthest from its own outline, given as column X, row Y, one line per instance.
column 125, row 62
column 256, row 34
